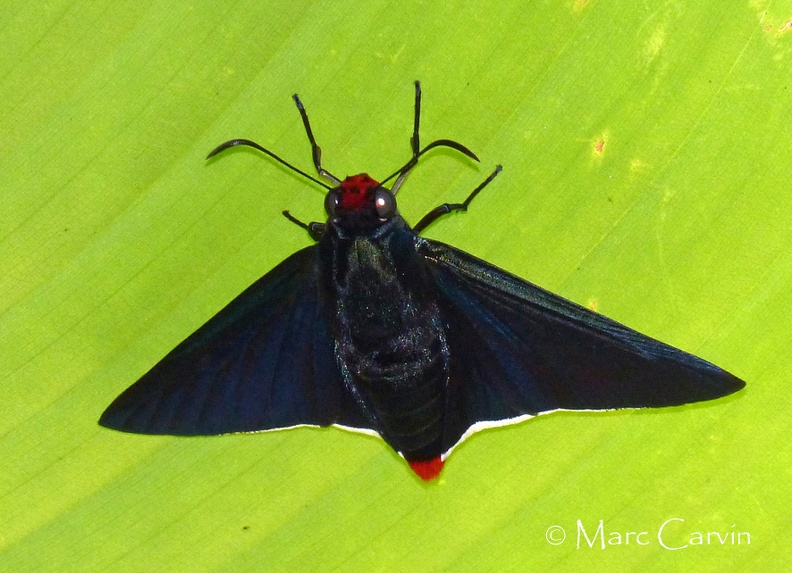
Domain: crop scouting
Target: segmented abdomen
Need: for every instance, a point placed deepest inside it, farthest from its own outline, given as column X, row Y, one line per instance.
column 391, row 347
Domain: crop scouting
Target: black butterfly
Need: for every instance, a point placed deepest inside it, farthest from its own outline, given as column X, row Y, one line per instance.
column 376, row 329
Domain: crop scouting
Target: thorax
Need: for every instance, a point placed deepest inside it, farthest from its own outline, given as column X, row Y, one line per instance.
column 388, row 329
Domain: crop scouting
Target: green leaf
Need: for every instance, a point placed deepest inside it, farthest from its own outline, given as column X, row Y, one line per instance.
column 646, row 156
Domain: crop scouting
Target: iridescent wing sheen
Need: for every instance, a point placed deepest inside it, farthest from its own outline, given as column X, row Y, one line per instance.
column 266, row 361
column 518, row 350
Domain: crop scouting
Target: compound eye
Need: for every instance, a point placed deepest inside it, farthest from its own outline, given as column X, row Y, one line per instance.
column 332, row 199
column 384, row 203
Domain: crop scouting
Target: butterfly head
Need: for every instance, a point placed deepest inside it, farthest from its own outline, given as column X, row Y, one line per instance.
column 360, row 204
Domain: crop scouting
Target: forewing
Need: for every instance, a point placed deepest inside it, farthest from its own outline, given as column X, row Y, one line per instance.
column 518, row 350
column 265, row 361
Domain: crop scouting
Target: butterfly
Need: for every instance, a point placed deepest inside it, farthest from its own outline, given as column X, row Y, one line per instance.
column 377, row 329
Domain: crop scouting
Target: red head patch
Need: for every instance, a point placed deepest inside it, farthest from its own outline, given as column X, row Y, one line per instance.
column 355, row 190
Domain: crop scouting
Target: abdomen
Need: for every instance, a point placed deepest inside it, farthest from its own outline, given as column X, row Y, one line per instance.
column 390, row 341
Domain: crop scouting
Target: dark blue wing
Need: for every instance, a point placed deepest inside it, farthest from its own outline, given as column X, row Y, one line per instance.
column 265, row 361
column 519, row 350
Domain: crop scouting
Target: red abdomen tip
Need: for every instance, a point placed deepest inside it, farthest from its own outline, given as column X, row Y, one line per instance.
column 427, row 470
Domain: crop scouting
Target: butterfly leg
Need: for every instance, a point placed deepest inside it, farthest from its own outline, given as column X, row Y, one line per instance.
column 446, row 208
column 415, row 144
column 415, row 141
column 315, row 149
column 316, row 230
